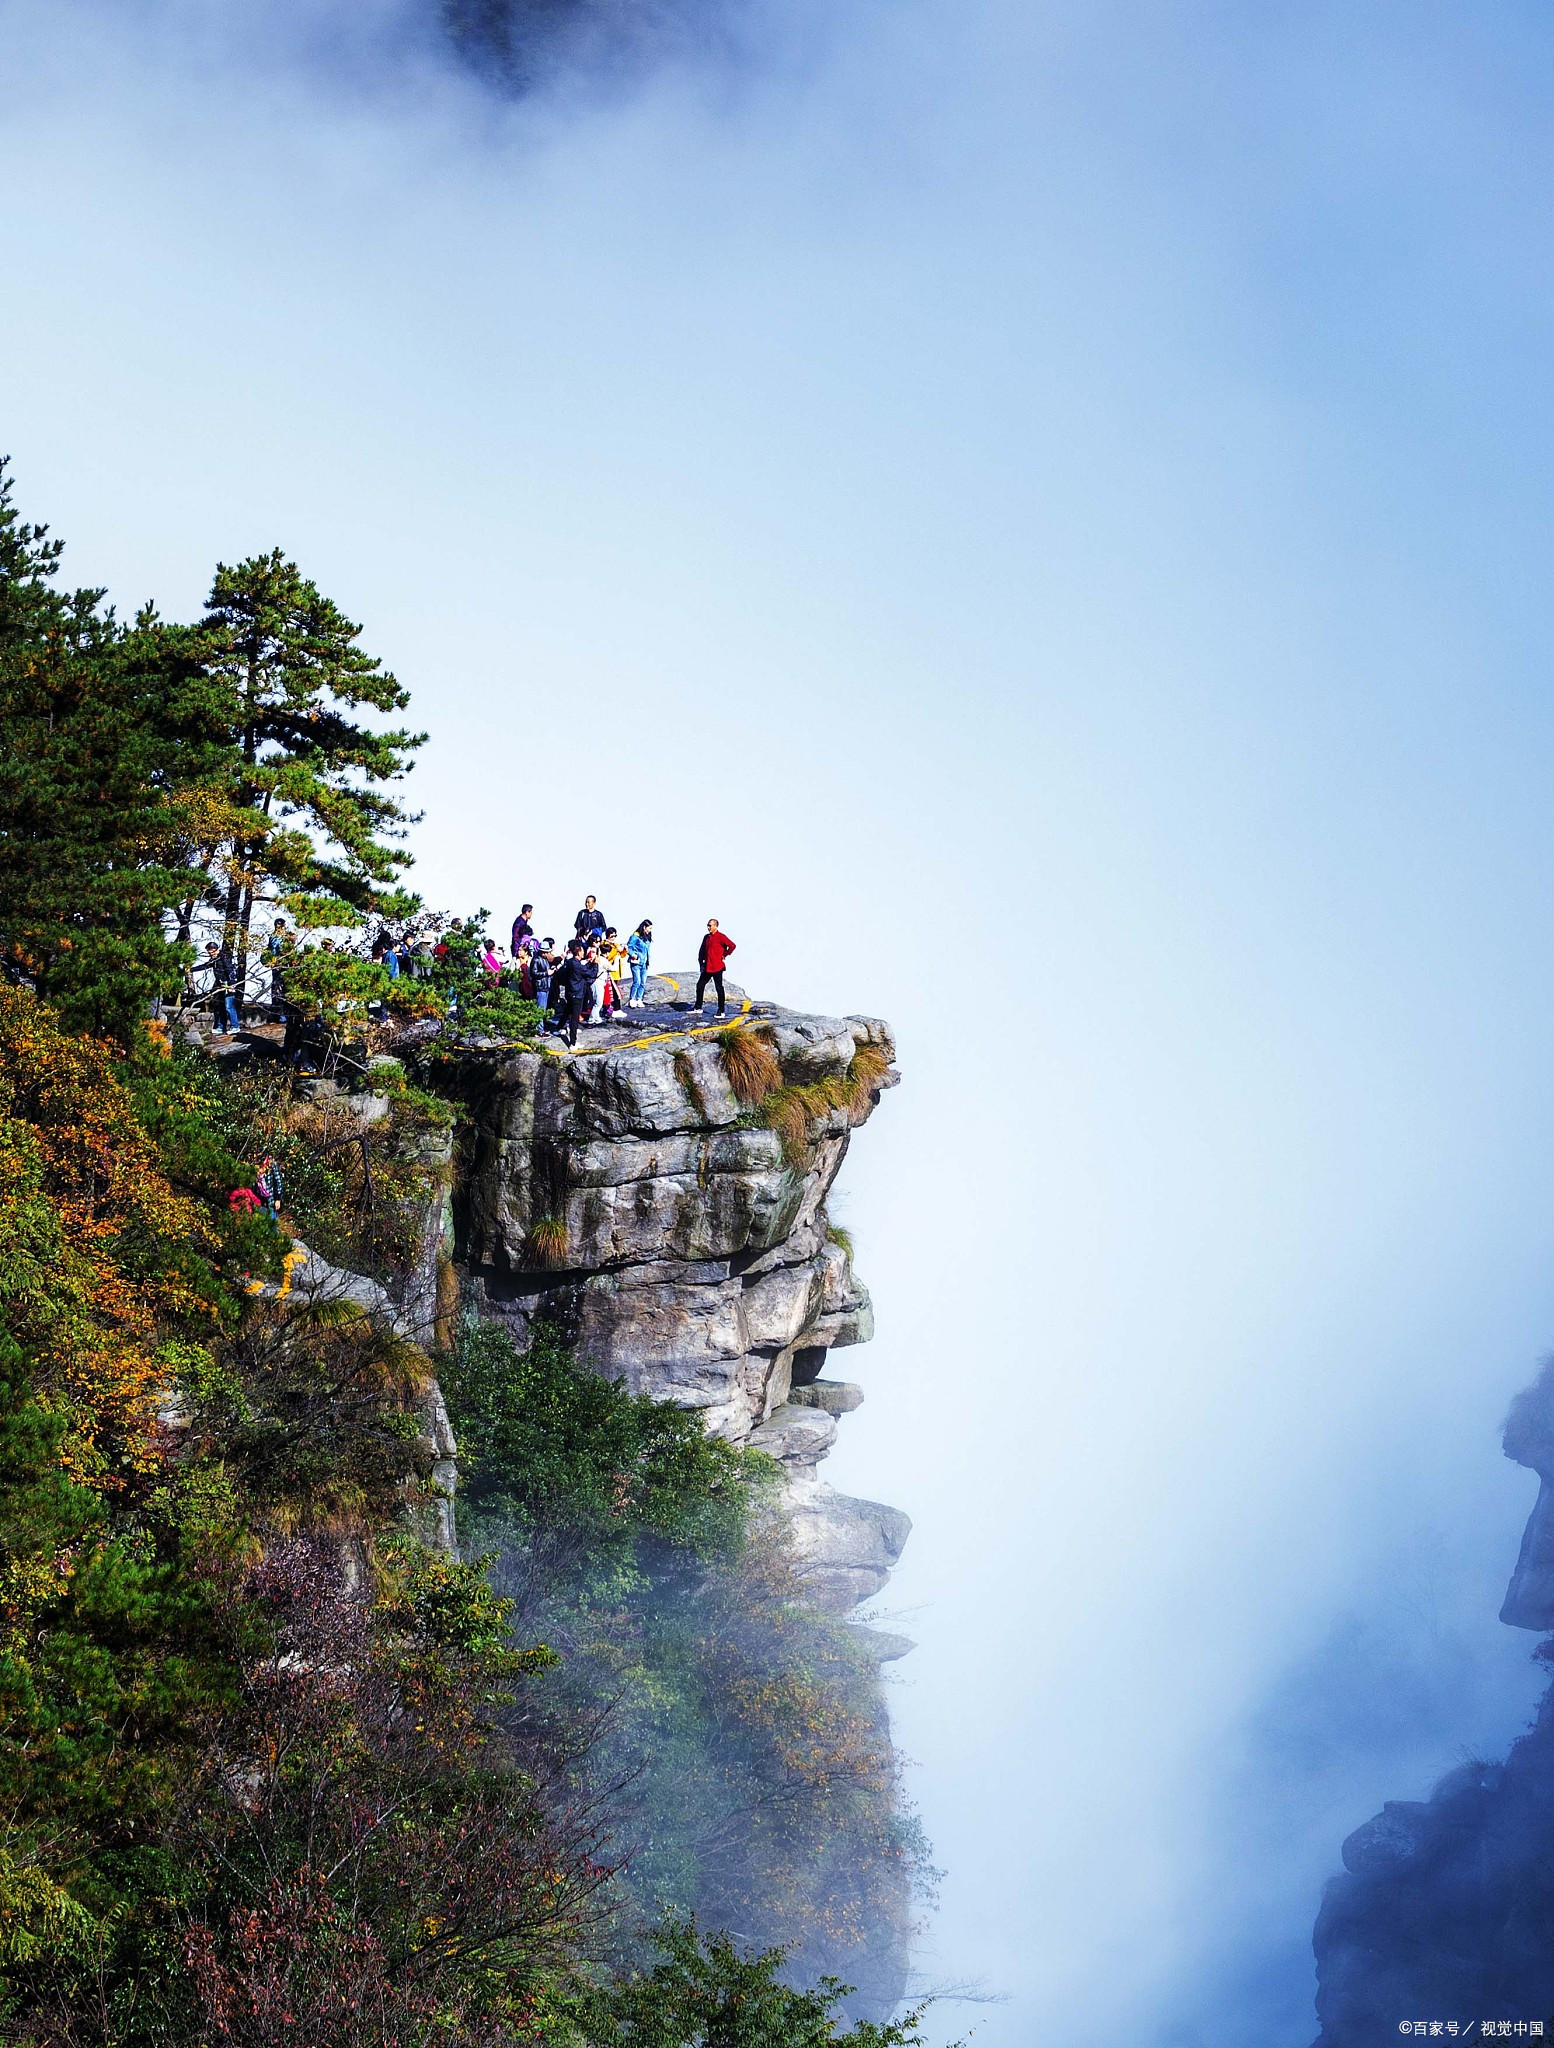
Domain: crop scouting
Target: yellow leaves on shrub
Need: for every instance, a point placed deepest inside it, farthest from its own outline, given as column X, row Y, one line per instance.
column 90, row 1235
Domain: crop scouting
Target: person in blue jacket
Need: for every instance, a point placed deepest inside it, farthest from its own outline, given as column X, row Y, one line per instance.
column 639, row 950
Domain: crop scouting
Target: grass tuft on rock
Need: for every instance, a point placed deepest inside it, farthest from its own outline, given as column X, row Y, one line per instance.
column 751, row 1065
column 794, row 1110
column 868, row 1069
column 546, row 1243
column 785, row 1112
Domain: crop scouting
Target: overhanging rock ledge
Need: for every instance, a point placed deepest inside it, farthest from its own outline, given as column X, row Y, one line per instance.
column 627, row 1195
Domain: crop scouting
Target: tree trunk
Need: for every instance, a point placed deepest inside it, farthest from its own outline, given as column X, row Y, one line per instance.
column 242, row 941
column 234, row 902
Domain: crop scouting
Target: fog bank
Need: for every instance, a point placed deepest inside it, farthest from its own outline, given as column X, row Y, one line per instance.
column 1036, row 517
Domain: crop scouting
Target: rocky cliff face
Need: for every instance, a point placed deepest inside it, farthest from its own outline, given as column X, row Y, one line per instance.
column 628, row 1195
column 1446, row 1906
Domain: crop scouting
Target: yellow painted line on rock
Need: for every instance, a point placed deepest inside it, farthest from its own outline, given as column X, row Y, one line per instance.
column 578, row 1052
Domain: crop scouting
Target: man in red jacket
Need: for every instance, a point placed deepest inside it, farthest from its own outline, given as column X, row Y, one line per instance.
column 715, row 949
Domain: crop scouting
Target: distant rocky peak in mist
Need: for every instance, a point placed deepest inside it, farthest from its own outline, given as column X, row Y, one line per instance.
column 515, row 45
column 1445, row 1910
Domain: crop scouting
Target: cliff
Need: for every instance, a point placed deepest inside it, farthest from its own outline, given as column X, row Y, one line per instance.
column 674, row 1231
column 1445, row 1909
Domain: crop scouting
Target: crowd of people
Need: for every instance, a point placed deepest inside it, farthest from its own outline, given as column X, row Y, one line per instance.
column 595, row 978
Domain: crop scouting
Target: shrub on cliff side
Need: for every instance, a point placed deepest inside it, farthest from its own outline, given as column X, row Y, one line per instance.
column 231, row 1772
column 760, row 1789
column 101, row 1259
column 403, row 1853
column 742, row 1752
column 708, row 1990
column 487, row 1007
column 579, row 1466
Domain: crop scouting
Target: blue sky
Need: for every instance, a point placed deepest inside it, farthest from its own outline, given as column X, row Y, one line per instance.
column 1037, row 517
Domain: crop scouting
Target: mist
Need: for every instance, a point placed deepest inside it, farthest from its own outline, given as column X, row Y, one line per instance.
column 1037, row 517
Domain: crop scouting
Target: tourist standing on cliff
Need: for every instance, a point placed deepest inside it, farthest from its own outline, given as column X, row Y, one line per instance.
column 594, row 963
column 589, row 922
column 276, row 954
column 223, row 988
column 612, row 961
column 639, row 950
column 577, row 978
column 522, row 930
column 712, row 958
column 542, row 965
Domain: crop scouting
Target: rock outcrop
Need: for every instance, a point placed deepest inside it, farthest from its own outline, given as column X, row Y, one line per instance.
column 1529, row 1439
column 628, row 1195
column 1446, row 1907
column 434, row 1479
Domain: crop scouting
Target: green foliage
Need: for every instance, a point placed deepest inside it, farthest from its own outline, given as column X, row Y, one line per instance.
column 307, row 779
column 360, row 1196
column 149, row 770
column 498, row 1011
column 108, row 751
column 341, row 985
column 451, row 1603
column 110, row 1664
column 485, row 1007
column 763, row 1790
column 705, row 1992
column 270, row 1768
column 556, row 1452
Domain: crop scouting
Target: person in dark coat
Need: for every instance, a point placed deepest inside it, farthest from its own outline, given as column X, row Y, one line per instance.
column 575, row 986
column 223, row 988
column 522, row 929
column 589, row 922
column 711, row 959
column 279, row 950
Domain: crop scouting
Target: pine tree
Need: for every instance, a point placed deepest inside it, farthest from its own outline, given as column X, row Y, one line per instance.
column 108, row 754
column 307, row 779
column 151, row 771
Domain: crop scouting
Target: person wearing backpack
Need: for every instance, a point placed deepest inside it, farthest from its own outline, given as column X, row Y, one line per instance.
column 711, row 959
